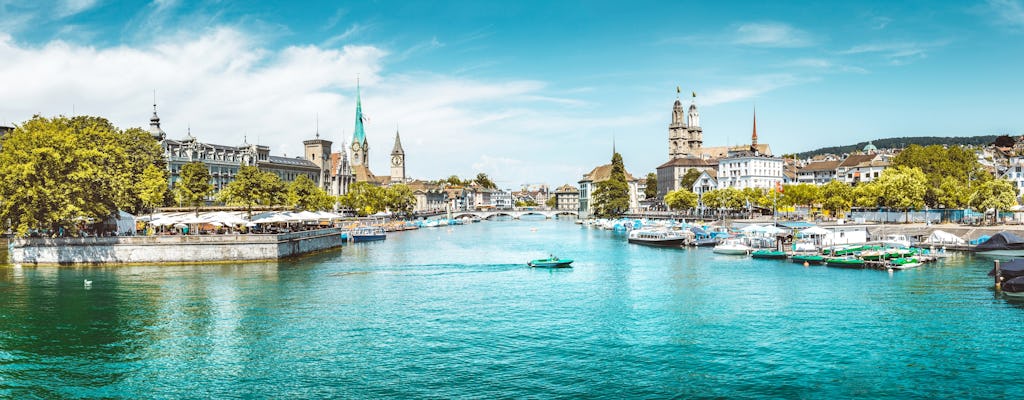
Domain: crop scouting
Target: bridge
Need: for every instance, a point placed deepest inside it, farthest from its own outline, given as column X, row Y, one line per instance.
column 515, row 214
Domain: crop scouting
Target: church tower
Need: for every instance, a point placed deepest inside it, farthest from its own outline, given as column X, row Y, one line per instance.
column 154, row 124
column 343, row 175
column 360, row 147
column 696, row 133
column 397, row 161
column 753, row 136
column 677, row 135
column 318, row 151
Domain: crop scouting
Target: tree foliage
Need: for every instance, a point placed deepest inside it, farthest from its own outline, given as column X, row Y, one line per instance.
column 939, row 163
column 651, row 188
column 611, row 197
column 253, row 187
column 901, row 142
column 153, row 187
column 485, row 181
column 867, row 195
column 681, row 199
column 304, row 194
column 400, row 199
column 802, row 194
column 689, row 178
column 56, row 173
column 902, row 188
column 364, row 198
column 194, row 186
column 837, row 197
column 997, row 194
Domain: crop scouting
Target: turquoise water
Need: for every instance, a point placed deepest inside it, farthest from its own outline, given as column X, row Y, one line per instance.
column 444, row 313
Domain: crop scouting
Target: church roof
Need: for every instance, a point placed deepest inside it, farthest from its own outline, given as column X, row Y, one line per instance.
column 398, row 145
column 358, row 135
column 603, row 173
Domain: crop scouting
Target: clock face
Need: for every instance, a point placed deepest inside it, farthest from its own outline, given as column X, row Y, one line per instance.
column 355, row 146
column 396, row 160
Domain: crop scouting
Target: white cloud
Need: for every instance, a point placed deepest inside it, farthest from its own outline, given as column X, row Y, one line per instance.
column 67, row 8
column 1007, row 12
column 772, row 34
column 225, row 86
column 896, row 52
column 753, row 87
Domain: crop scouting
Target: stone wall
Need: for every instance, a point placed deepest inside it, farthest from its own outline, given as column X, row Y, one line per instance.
column 172, row 249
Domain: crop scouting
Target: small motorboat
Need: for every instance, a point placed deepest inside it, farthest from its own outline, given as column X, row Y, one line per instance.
column 809, row 259
column 732, row 247
column 905, row 263
column 367, row 234
column 845, row 262
column 551, row 262
column 768, row 254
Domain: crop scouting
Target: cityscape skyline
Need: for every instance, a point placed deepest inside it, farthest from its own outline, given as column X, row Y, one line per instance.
column 526, row 92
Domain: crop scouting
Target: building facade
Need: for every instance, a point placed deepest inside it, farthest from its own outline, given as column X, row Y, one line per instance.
column 567, row 198
column 601, row 174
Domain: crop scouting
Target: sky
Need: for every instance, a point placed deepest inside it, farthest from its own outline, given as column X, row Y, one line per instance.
column 528, row 92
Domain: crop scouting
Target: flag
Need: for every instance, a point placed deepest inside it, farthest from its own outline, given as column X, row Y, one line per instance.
column 678, row 90
column 778, row 187
column 694, row 94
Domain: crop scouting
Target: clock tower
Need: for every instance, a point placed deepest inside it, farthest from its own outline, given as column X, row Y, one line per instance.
column 397, row 161
column 360, row 147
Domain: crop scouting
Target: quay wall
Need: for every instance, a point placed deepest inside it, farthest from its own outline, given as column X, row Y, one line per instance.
column 171, row 249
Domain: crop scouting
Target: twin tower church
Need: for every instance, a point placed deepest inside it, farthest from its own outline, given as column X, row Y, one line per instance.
column 332, row 171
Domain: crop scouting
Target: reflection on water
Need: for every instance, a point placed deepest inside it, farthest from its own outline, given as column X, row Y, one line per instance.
column 455, row 313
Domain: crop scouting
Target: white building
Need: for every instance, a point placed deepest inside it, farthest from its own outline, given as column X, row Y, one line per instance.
column 502, row 199
column 600, row 174
column 817, row 172
column 750, row 170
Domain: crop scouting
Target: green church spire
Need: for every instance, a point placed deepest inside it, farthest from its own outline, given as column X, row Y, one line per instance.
column 359, row 136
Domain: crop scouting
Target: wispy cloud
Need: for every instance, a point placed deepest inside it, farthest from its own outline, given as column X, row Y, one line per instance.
column 880, row 22
column 822, row 64
column 896, row 52
column 420, row 47
column 67, row 8
column 772, row 34
column 1009, row 13
column 753, row 87
column 353, row 30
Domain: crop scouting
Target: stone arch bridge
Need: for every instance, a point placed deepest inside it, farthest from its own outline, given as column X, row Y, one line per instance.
column 515, row 214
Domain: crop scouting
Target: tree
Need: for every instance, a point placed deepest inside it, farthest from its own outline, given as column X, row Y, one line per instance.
column 938, row 163
column 153, row 187
column 802, row 194
column 141, row 151
column 551, row 202
column 484, row 181
column 400, row 199
column 997, row 194
column 689, row 178
column 364, row 198
column 903, row 188
column 194, row 186
column 253, row 187
column 651, row 190
column 303, row 194
column 953, row 193
column 681, row 199
column 611, row 197
column 836, row 197
column 866, row 195
column 56, row 173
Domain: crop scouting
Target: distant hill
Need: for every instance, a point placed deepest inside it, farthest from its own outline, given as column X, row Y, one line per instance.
column 899, row 142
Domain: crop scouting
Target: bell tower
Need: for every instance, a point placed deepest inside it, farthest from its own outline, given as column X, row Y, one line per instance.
column 360, row 147
column 397, row 161
column 677, row 135
column 318, row 151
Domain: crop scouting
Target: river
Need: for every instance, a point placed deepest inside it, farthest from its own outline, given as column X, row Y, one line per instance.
column 454, row 312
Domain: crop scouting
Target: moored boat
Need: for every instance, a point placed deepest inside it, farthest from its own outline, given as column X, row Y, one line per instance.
column 905, row 263
column 845, row 262
column 368, row 234
column 551, row 262
column 1002, row 244
column 732, row 247
column 768, row 254
column 810, row 259
column 660, row 237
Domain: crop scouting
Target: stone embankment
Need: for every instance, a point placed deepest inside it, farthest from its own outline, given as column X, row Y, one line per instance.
column 175, row 249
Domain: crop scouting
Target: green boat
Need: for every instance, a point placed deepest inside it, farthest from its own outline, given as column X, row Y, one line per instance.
column 769, row 254
column 810, row 259
column 845, row 262
column 551, row 262
column 843, row 250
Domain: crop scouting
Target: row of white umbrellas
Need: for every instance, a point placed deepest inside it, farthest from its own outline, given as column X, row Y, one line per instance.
column 222, row 218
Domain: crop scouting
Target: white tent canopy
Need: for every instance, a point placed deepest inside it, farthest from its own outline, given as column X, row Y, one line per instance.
column 943, row 237
column 813, row 231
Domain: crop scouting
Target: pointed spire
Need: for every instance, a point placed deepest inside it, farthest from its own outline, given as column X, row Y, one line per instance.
column 317, row 125
column 398, row 144
column 613, row 145
column 359, row 135
column 753, row 137
column 154, row 123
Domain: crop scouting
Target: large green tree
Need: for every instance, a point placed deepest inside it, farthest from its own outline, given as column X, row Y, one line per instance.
column 484, row 181
column 303, row 194
column 836, row 197
column 867, row 195
column 651, row 190
column 194, row 185
column 939, row 164
column 802, row 194
column 153, row 187
column 996, row 194
column 253, row 187
column 903, row 188
column 689, row 178
column 400, row 199
column 681, row 199
column 56, row 173
column 364, row 198
column 611, row 197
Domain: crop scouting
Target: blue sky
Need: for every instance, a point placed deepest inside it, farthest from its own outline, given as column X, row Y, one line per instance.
column 528, row 92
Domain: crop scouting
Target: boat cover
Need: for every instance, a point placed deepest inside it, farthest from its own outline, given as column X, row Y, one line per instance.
column 1011, row 269
column 1002, row 241
column 943, row 237
column 1015, row 285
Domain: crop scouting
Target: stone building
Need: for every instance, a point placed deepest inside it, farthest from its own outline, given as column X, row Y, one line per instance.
column 360, row 161
column 601, row 174
column 567, row 198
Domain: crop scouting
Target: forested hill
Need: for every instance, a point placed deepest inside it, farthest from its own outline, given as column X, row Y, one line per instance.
column 903, row 142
